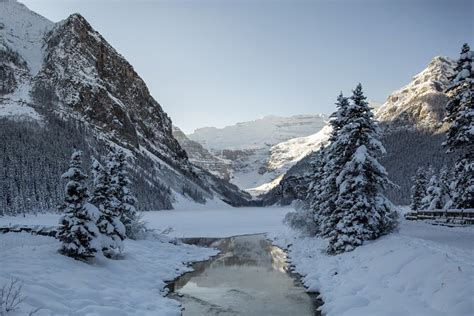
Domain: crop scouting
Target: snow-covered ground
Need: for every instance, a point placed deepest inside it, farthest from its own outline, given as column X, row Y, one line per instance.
column 60, row 285
column 420, row 269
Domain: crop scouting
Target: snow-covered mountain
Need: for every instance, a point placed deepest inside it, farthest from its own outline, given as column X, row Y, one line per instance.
column 420, row 104
column 286, row 154
column 259, row 133
column 68, row 71
column 253, row 150
column 201, row 157
column 412, row 123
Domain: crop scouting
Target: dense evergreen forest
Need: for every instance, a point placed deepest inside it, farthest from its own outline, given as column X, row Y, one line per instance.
column 34, row 155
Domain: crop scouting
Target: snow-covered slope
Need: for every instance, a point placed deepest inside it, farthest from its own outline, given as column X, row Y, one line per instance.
column 256, row 158
column 286, row 154
column 420, row 269
column 421, row 103
column 259, row 133
column 24, row 31
column 68, row 71
column 22, row 35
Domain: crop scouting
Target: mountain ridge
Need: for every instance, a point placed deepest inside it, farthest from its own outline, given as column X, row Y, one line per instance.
column 82, row 79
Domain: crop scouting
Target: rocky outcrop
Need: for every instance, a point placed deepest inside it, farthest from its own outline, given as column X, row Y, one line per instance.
column 421, row 103
column 201, row 157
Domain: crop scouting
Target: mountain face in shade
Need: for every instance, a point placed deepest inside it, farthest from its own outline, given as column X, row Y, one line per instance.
column 67, row 72
column 201, row 157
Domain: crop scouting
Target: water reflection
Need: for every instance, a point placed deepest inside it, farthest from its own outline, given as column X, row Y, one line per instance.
column 248, row 277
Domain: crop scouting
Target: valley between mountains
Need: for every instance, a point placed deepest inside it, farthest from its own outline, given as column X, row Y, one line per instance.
column 109, row 207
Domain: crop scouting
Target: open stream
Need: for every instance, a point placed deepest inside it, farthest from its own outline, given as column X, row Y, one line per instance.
column 249, row 276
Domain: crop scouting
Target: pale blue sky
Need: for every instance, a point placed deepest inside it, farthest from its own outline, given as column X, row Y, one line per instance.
column 214, row 63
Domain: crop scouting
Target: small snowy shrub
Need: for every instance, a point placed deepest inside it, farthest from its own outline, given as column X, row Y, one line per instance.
column 10, row 297
column 137, row 229
column 302, row 220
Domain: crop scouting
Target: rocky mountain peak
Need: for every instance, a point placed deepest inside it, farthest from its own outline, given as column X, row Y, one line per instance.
column 99, row 83
column 420, row 103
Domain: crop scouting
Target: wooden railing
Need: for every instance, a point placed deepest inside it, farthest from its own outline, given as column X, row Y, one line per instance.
column 455, row 216
column 35, row 230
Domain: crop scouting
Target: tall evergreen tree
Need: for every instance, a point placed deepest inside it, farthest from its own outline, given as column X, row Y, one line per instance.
column 418, row 190
column 109, row 224
column 78, row 232
column 124, row 202
column 324, row 203
column 460, row 135
column 361, row 211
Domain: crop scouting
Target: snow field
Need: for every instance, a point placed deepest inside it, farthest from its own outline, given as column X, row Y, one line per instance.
column 59, row 285
column 419, row 270
column 219, row 222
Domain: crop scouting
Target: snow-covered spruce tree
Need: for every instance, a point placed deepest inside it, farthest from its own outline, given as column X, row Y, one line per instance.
column 109, row 223
column 323, row 201
column 124, row 201
column 445, row 181
column 78, row 233
column 304, row 219
column 361, row 211
column 418, row 189
column 460, row 135
column 433, row 199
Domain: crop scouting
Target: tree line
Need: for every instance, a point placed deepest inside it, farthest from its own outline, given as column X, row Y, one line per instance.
column 33, row 155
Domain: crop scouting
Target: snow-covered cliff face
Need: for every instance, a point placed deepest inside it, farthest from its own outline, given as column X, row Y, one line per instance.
column 68, row 70
column 252, row 148
column 201, row 157
column 421, row 103
column 259, row 133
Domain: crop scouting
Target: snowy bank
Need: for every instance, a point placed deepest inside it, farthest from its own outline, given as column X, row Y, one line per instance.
column 133, row 285
column 419, row 270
